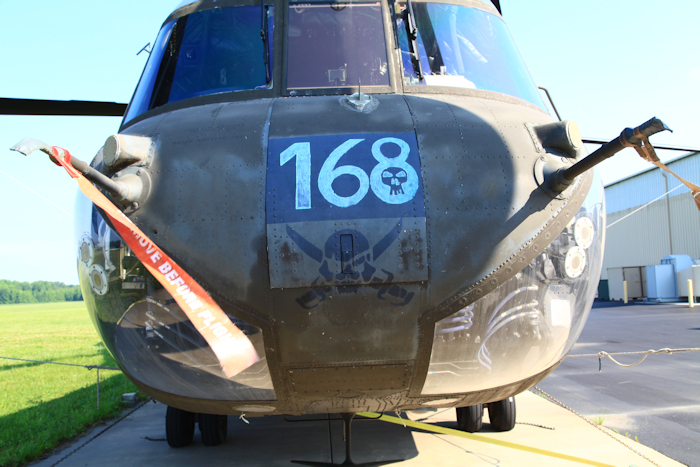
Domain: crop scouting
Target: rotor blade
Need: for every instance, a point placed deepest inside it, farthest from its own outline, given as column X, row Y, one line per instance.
column 657, row 146
column 51, row 107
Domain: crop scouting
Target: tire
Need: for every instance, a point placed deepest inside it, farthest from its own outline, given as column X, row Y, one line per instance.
column 502, row 414
column 213, row 428
column 469, row 418
column 179, row 427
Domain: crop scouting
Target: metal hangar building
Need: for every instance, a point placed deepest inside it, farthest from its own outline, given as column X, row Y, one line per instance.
column 651, row 215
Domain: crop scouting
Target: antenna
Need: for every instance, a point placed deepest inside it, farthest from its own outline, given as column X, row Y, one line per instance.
column 145, row 49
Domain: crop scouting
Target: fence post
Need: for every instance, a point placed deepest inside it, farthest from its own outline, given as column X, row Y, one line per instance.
column 691, row 295
column 89, row 367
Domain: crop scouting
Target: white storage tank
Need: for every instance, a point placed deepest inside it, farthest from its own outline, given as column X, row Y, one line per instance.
column 615, row 283
column 692, row 273
column 661, row 282
column 636, row 282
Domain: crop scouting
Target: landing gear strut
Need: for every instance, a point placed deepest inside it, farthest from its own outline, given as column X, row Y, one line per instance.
column 347, row 420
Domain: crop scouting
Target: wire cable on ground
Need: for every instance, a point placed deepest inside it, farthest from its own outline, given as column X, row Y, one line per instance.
column 536, row 425
column 646, row 353
column 561, row 404
column 89, row 367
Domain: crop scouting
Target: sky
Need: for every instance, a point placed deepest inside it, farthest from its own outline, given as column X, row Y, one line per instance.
column 608, row 65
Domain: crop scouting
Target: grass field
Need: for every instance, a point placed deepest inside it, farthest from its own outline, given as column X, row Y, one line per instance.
column 42, row 405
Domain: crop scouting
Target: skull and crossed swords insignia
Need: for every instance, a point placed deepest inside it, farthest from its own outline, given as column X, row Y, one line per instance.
column 357, row 267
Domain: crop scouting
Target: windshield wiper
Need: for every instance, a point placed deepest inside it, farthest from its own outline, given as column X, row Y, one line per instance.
column 412, row 33
column 264, row 34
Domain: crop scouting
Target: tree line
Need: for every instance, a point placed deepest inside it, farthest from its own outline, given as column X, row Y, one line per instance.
column 38, row 292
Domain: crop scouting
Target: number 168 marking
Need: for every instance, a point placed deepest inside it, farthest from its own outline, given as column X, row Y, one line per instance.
column 393, row 180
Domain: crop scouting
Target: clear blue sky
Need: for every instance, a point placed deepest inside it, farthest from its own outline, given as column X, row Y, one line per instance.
column 608, row 64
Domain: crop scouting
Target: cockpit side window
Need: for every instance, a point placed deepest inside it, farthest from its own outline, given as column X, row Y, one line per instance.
column 207, row 52
column 464, row 47
column 336, row 45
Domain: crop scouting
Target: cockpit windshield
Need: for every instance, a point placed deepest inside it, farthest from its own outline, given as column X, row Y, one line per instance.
column 464, row 47
column 331, row 45
column 336, row 45
column 207, row 52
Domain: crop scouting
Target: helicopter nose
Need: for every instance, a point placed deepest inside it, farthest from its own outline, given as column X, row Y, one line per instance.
column 250, row 200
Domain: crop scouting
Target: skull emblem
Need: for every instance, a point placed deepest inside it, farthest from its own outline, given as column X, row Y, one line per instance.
column 395, row 177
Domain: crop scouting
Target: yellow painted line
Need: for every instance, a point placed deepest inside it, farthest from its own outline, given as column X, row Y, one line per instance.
column 483, row 439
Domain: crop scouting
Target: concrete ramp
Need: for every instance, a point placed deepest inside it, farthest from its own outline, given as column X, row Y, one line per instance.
column 431, row 439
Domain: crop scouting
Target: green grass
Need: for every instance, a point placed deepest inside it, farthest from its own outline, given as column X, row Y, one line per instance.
column 636, row 438
column 43, row 405
column 599, row 419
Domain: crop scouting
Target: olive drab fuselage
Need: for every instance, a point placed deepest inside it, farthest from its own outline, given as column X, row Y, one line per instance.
column 382, row 250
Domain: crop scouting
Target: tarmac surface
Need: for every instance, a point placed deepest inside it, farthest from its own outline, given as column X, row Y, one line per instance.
column 657, row 401
column 270, row 441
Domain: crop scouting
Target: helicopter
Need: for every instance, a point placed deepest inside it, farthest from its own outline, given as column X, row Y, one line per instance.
column 370, row 193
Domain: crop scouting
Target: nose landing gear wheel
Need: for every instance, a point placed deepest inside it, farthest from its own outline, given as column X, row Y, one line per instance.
column 469, row 418
column 502, row 414
column 179, row 427
column 213, row 428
